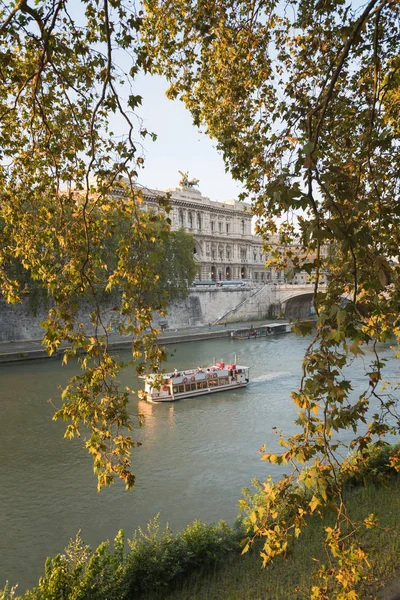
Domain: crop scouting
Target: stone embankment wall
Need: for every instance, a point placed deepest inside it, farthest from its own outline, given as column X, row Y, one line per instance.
column 21, row 322
column 202, row 306
column 262, row 303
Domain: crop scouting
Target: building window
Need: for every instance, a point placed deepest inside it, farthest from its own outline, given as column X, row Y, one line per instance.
column 181, row 218
column 254, row 257
column 213, row 254
column 190, row 221
column 227, row 228
column 212, row 226
column 199, row 221
column 262, row 276
column 242, row 227
column 228, row 254
column 220, row 227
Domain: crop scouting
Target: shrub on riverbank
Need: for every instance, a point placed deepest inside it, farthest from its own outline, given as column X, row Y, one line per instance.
column 374, row 466
column 155, row 559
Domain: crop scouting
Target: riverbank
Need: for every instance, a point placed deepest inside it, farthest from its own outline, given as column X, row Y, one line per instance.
column 34, row 350
column 243, row 578
column 204, row 562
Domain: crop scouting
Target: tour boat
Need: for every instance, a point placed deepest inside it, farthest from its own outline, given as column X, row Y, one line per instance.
column 168, row 387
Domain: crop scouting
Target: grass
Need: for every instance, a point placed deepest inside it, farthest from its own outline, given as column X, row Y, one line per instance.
column 243, row 576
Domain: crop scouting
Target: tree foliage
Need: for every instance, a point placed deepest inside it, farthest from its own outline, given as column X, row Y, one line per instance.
column 303, row 100
column 71, row 220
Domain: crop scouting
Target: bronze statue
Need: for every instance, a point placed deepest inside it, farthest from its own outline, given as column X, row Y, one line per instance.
column 186, row 182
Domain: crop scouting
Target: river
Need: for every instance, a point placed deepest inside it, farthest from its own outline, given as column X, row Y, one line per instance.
column 197, row 454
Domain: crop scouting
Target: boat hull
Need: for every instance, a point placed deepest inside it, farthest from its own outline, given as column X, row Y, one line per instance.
column 194, row 393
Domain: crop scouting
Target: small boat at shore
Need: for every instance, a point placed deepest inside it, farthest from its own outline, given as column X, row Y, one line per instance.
column 168, row 387
column 260, row 331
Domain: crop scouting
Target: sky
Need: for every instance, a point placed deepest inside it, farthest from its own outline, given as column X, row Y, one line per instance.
column 179, row 146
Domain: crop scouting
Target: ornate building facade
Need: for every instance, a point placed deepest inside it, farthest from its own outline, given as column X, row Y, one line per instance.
column 224, row 246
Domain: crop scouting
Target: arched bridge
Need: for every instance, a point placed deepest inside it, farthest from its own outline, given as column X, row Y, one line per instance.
column 272, row 300
column 296, row 300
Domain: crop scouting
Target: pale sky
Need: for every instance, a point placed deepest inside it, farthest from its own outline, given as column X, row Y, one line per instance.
column 179, row 146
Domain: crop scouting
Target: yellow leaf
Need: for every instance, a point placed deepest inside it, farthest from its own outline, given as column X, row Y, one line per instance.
column 253, row 517
column 314, row 503
column 246, row 548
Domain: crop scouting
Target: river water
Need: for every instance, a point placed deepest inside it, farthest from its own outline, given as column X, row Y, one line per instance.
column 197, row 454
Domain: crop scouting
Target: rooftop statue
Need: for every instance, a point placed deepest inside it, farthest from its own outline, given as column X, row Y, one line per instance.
column 186, row 182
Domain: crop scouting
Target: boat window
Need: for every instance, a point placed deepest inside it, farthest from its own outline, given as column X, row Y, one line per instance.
column 223, row 381
column 202, row 385
column 175, row 388
column 181, row 389
column 187, row 387
column 192, row 386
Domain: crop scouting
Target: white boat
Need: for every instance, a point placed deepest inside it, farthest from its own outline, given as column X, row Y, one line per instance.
column 194, row 382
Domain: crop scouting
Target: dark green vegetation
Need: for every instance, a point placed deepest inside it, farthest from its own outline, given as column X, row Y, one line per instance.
column 205, row 561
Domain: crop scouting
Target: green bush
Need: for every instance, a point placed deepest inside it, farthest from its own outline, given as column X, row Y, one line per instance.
column 79, row 574
column 7, row 593
column 371, row 465
column 155, row 560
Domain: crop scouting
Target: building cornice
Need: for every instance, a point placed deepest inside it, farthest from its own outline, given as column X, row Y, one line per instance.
column 200, row 204
column 227, row 238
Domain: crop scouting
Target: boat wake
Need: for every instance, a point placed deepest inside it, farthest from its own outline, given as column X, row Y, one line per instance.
column 268, row 376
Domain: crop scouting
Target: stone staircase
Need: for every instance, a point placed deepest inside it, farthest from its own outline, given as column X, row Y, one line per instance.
column 240, row 305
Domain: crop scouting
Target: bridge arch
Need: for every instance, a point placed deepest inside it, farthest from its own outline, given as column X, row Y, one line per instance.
column 296, row 301
column 298, row 306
